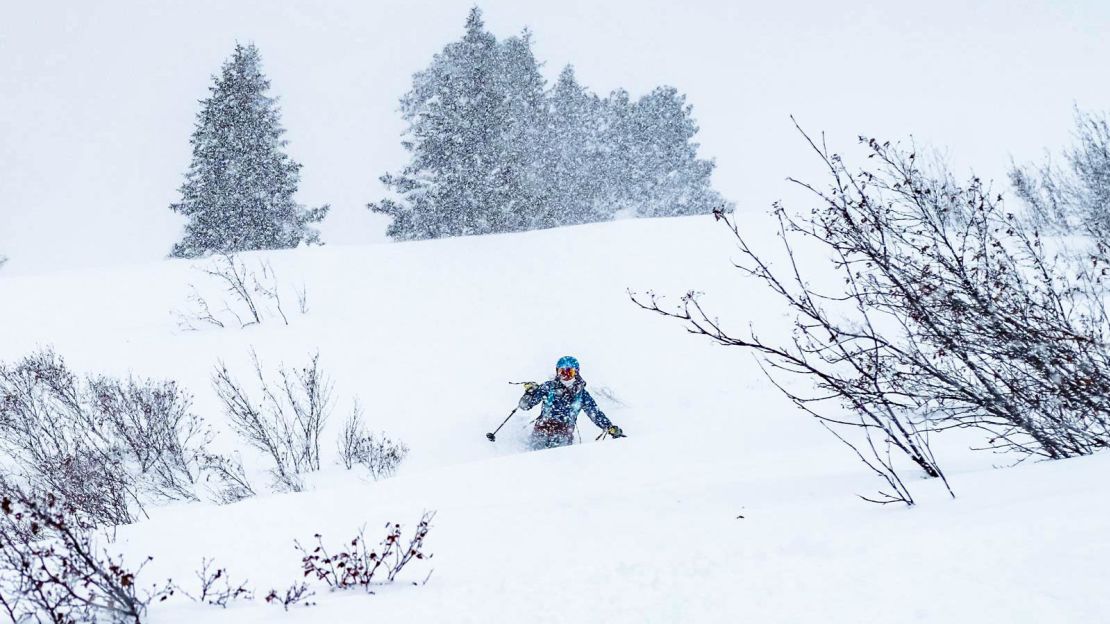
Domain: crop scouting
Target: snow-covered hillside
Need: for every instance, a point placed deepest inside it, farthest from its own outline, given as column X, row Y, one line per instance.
column 724, row 504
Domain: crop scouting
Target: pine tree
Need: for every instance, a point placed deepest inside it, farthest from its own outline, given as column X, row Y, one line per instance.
column 653, row 139
column 473, row 118
column 491, row 151
column 519, row 192
column 576, row 155
column 238, row 191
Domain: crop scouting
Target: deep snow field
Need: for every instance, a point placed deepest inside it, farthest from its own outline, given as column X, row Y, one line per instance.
column 724, row 504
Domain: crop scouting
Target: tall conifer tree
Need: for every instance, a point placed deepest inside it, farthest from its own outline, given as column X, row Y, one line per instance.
column 491, row 150
column 576, row 155
column 474, row 120
column 238, row 191
column 670, row 179
column 523, row 133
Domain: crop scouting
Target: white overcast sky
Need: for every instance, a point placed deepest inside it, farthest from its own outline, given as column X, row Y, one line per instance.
column 97, row 99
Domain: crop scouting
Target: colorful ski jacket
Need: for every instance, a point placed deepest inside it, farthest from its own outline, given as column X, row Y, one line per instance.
column 562, row 404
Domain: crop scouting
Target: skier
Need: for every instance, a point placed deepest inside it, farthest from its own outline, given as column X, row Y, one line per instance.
column 562, row 398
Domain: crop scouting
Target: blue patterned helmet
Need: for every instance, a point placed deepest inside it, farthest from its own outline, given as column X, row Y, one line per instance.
column 567, row 362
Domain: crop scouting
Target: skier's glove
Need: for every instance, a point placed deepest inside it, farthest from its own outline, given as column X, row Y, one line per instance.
column 530, row 387
column 615, row 431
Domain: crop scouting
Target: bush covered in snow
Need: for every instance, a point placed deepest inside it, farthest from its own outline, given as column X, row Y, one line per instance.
column 106, row 447
column 355, row 564
column 296, row 594
column 287, row 426
column 251, row 295
column 1075, row 197
column 379, row 454
column 53, row 570
column 214, row 587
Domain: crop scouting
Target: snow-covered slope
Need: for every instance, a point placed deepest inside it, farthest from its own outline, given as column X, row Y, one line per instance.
column 724, row 503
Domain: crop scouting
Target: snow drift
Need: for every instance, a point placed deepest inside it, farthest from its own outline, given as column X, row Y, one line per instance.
column 724, row 503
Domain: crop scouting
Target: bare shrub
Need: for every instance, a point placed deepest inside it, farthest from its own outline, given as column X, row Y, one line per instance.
column 251, row 296
column 1074, row 197
column 215, row 587
column 52, row 570
column 295, row 594
column 240, row 284
column 267, row 288
column 152, row 422
column 50, row 441
column 98, row 485
column 356, row 564
column 201, row 313
column 951, row 315
column 378, row 453
column 302, row 299
column 287, row 423
column 104, row 446
column 227, row 478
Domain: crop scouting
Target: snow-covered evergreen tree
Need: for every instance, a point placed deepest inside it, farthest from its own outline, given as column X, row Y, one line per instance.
column 576, row 155
column 472, row 118
column 491, row 151
column 519, row 188
column 238, row 191
column 654, row 140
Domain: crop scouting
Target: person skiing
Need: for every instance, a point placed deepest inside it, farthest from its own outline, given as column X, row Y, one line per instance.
column 563, row 398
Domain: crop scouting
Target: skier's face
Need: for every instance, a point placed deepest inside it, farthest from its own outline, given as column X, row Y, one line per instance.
column 566, row 374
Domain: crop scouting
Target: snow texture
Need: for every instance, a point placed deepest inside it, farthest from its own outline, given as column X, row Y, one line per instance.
column 724, row 503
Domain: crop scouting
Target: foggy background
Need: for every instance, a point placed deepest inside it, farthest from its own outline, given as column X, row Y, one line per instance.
column 98, row 99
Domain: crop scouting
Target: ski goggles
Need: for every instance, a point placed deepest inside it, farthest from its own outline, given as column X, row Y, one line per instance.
column 566, row 373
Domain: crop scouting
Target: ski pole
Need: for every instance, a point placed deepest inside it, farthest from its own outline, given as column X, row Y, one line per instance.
column 492, row 436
